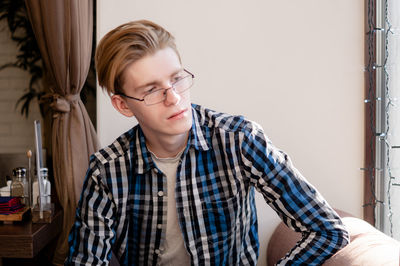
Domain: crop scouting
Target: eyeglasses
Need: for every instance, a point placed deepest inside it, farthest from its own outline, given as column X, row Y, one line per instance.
column 156, row 94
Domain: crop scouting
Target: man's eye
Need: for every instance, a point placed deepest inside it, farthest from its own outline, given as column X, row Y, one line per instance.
column 150, row 90
column 177, row 78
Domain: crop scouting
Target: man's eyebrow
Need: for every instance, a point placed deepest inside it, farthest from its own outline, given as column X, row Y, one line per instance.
column 155, row 81
column 146, row 85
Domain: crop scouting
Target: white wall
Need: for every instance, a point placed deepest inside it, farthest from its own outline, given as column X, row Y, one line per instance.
column 295, row 67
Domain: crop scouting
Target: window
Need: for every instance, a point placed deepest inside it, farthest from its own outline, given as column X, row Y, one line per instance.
column 383, row 115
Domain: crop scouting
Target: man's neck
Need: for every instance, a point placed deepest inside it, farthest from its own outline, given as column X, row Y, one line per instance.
column 167, row 146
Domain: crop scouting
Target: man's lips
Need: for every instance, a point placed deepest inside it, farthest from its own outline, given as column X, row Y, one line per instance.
column 177, row 114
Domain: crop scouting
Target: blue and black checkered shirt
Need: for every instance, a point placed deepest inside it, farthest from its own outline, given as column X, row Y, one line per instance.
column 124, row 200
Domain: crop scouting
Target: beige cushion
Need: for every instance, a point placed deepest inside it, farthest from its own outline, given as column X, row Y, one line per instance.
column 368, row 246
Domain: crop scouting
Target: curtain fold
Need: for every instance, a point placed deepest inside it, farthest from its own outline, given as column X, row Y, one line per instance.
column 63, row 30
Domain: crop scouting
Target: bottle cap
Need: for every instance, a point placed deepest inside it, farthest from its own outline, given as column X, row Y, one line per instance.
column 44, row 171
column 19, row 171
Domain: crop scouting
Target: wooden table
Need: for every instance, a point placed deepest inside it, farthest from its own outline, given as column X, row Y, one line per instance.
column 26, row 239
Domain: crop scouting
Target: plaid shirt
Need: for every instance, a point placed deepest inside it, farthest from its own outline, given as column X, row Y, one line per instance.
column 124, row 200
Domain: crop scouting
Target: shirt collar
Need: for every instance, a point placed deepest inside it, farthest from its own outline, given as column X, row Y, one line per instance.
column 197, row 135
column 141, row 157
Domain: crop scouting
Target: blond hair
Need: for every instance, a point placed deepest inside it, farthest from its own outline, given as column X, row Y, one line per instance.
column 123, row 46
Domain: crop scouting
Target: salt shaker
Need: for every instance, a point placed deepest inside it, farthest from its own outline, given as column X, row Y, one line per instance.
column 46, row 197
column 19, row 185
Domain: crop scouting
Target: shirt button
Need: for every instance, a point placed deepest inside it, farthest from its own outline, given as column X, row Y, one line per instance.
column 159, row 226
column 160, row 193
column 157, row 251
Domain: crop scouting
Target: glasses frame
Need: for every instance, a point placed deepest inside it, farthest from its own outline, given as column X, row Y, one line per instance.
column 142, row 100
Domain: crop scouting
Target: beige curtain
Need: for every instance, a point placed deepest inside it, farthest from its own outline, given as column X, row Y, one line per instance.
column 63, row 29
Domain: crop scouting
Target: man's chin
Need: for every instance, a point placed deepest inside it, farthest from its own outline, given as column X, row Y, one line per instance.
column 184, row 129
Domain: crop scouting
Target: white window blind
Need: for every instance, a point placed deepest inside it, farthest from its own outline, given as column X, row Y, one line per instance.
column 386, row 71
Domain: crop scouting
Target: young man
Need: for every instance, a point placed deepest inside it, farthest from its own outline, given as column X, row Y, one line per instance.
column 178, row 189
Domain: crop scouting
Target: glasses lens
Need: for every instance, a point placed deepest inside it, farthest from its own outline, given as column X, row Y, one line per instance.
column 159, row 95
column 183, row 84
column 154, row 97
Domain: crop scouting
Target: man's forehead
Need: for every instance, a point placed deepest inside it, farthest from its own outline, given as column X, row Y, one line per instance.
column 153, row 68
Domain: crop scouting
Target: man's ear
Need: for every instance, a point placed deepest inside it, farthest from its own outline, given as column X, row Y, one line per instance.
column 121, row 105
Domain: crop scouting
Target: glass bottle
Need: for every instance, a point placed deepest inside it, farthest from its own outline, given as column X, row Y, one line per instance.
column 19, row 186
column 46, row 187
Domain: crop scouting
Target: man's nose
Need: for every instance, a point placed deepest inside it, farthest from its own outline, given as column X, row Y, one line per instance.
column 172, row 97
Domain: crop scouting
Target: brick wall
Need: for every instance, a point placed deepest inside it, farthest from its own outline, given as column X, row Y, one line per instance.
column 16, row 132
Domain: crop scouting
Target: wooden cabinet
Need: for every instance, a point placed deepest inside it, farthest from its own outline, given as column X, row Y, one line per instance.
column 26, row 239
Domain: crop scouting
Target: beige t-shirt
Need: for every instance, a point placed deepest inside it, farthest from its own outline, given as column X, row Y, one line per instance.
column 173, row 251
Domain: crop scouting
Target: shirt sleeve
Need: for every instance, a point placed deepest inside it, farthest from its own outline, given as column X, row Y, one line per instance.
column 300, row 206
column 92, row 235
